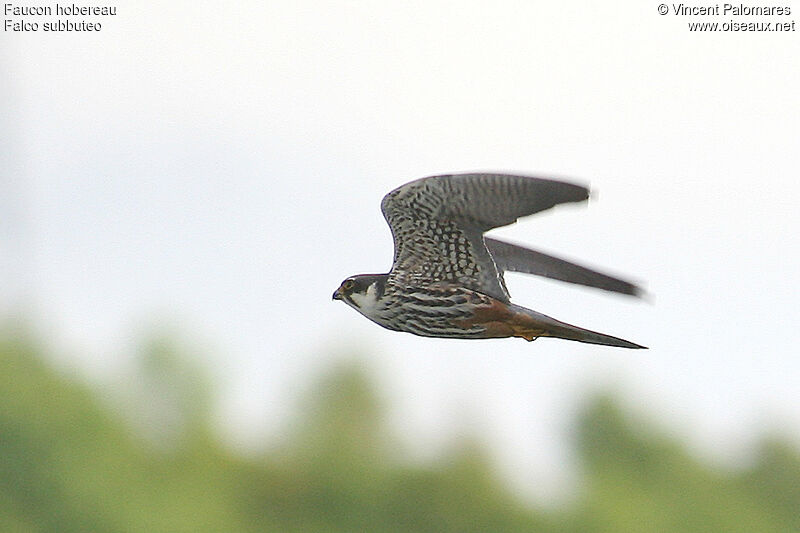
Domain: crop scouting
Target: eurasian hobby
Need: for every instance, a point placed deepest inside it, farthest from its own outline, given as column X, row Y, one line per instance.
column 447, row 278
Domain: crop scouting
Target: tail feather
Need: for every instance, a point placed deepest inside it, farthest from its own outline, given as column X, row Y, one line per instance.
column 531, row 325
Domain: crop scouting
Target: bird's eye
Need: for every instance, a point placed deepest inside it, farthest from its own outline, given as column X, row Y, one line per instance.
column 348, row 284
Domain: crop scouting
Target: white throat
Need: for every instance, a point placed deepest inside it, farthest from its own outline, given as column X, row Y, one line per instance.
column 367, row 303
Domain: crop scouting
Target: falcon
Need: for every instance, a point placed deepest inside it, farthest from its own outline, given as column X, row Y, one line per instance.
column 447, row 277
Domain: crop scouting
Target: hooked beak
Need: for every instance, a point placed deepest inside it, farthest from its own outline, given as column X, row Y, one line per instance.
column 336, row 295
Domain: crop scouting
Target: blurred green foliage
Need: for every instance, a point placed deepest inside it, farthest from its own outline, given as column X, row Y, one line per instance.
column 70, row 462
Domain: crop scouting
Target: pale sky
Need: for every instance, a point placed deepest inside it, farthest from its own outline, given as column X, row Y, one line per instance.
column 219, row 168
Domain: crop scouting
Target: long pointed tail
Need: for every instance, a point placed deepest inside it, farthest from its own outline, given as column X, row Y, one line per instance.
column 529, row 325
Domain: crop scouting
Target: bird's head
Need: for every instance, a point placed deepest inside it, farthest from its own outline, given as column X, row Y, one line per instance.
column 362, row 292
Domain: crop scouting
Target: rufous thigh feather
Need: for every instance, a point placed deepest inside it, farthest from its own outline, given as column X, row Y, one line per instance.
column 500, row 321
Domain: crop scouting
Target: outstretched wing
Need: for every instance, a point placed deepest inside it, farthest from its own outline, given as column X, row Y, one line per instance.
column 517, row 258
column 438, row 224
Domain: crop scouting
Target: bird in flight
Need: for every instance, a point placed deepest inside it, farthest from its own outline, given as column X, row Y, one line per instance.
column 447, row 277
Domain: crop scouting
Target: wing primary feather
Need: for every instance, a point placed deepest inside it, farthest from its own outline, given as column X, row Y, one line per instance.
column 493, row 200
column 515, row 258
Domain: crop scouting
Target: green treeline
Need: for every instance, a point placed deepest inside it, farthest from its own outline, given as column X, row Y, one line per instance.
column 70, row 462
